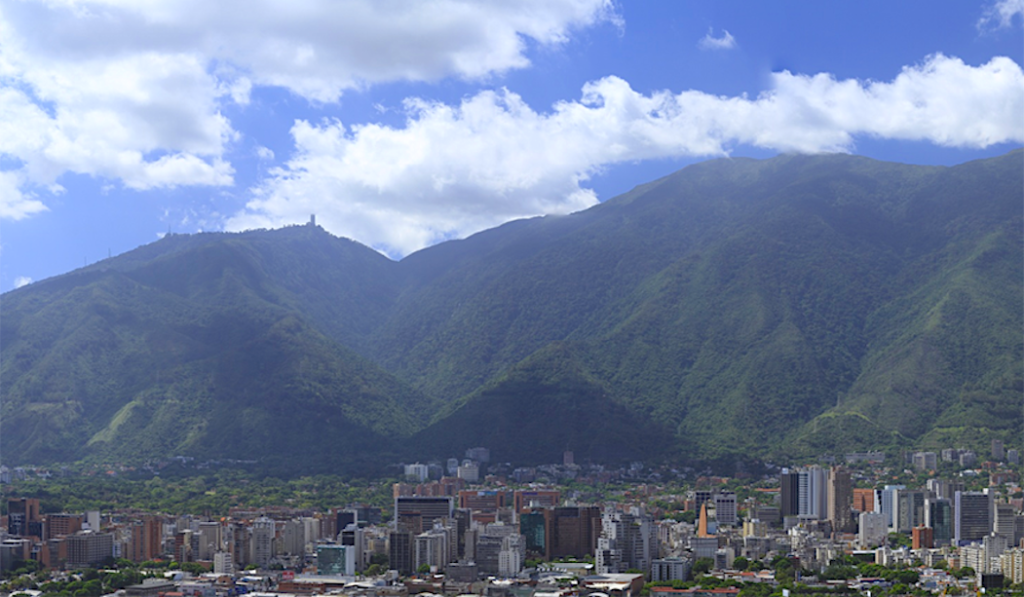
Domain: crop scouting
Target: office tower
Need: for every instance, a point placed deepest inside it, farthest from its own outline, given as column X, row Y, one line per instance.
column 840, row 499
column 997, row 450
column 87, row 550
column 863, row 500
column 925, row 461
column 725, row 508
column 1005, row 521
column 429, row 509
column 973, row 514
column 888, row 505
column 910, row 510
column 626, row 542
column 790, row 493
column 571, row 531
column 938, row 517
column 922, row 538
column 531, row 525
column 335, row 560
column 23, row 517
column 400, row 550
column 60, row 525
column 343, row 518
column 432, row 549
column 872, row 529
column 813, row 493
column 263, row 532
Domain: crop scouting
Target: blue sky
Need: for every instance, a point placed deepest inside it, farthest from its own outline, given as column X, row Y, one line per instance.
column 402, row 124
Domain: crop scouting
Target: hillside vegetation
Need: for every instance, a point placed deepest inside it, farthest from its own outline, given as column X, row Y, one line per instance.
column 776, row 308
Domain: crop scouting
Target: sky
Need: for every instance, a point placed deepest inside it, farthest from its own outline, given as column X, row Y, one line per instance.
column 403, row 124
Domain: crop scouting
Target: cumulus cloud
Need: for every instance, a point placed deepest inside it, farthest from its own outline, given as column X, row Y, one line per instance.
column 710, row 42
column 133, row 91
column 1001, row 14
column 14, row 203
column 451, row 170
column 22, row 281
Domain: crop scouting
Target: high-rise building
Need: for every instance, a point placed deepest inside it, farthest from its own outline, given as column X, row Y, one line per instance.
column 400, row 550
column 208, row 540
column 863, row 500
column 263, row 532
column 335, row 560
column 813, row 493
column 23, row 517
column 872, row 529
column 571, row 531
column 223, row 563
column 997, row 450
column 240, row 545
column 627, row 541
column 89, row 549
column 938, row 517
column 429, row 509
column 670, row 569
column 417, row 471
column 925, row 461
column 888, row 505
column 840, row 499
column 1005, row 521
column 790, row 493
column 725, row 508
column 63, row 524
column 973, row 515
column 921, row 538
column 531, row 525
column 432, row 549
column 910, row 511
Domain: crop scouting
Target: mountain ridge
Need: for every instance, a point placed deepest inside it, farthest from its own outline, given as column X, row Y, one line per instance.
column 758, row 307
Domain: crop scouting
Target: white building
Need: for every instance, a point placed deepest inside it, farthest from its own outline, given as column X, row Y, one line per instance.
column 418, row 471
column 223, row 563
column 872, row 530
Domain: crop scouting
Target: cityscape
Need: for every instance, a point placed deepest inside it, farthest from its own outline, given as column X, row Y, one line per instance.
column 947, row 522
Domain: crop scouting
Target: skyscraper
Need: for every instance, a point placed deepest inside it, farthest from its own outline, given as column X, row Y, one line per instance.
column 790, row 493
column 938, row 516
column 973, row 516
column 813, row 493
column 840, row 499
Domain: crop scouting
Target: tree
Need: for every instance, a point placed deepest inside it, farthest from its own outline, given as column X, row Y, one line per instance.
column 701, row 566
column 741, row 563
column 423, row 569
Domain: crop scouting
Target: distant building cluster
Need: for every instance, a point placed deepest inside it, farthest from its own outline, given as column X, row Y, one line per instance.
column 464, row 520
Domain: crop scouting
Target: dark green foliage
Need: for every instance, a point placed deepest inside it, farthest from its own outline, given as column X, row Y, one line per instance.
column 775, row 308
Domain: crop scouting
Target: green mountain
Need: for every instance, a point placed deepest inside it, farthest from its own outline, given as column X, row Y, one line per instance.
column 774, row 308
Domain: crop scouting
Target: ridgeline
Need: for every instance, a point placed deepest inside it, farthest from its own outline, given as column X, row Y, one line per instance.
column 769, row 308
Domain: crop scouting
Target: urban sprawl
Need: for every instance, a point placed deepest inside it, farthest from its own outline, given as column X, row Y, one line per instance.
column 947, row 522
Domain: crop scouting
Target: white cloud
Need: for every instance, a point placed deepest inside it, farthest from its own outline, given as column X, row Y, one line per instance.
column 22, row 281
column 14, row 203
column 455, row 169
column 132, row 91
column 710, row 42
column 1001, row 14
column 264, row 153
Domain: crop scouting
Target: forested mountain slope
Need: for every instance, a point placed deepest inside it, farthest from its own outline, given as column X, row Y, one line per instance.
column 801, row 304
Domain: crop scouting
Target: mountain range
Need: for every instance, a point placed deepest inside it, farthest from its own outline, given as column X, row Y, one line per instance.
column 770, row 309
